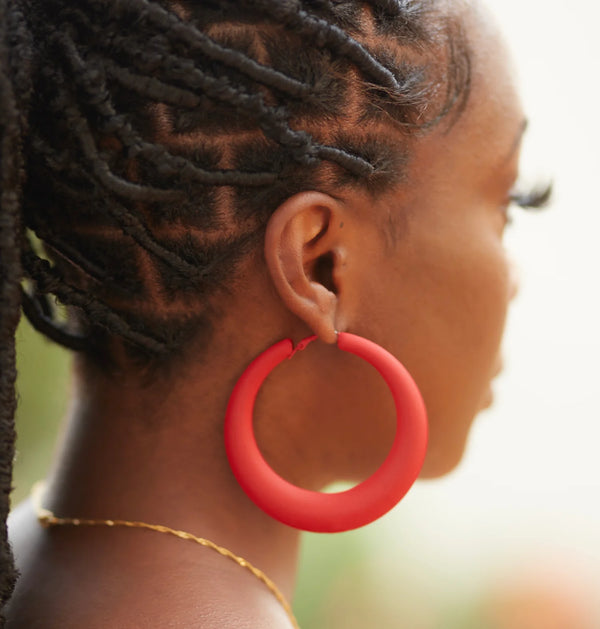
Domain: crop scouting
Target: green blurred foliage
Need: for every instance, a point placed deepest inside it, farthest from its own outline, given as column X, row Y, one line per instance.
column 42, row 385
column 324, row 559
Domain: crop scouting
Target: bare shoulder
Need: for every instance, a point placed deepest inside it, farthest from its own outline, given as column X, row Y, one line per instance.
column 136, row 611
column 23, row 527
column 98, row 579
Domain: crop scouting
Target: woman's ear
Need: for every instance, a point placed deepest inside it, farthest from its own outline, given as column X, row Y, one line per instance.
column 304, row 251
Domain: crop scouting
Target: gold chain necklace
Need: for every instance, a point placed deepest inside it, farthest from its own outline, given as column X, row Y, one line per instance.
column 47, row 519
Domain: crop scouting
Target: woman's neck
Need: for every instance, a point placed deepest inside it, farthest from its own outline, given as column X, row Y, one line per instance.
column 155, row 454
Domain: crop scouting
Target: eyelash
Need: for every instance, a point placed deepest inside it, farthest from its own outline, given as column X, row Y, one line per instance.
column 535, row 198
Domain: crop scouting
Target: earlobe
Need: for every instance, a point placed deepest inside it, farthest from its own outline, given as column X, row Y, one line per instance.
column 303, row 249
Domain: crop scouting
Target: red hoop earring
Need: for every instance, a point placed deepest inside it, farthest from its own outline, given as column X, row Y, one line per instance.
column 311, row 510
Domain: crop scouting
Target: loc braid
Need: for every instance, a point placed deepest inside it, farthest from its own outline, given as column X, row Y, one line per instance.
column 101, row 169
column 172, row 26
column 99, row 97
column 14, row 93
column 134, row 226
column 48, row 280
column 45, row 233
column 326, row 34
column 33, row 309
column 272, row 120
column 64, row 104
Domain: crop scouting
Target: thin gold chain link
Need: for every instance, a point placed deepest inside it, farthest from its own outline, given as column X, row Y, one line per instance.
column 48, row 519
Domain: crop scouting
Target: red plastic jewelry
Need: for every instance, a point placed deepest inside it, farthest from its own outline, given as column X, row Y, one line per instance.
column 322, row 512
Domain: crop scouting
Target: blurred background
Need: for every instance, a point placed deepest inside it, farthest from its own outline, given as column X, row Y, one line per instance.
column 510, row 540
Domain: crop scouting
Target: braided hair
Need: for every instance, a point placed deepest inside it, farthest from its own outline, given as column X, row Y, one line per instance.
column 160, row 136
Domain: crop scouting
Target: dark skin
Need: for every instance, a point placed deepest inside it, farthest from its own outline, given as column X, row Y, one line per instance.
column 435, row 295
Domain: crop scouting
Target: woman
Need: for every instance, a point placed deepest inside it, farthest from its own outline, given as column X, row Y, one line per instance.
column 208, row 179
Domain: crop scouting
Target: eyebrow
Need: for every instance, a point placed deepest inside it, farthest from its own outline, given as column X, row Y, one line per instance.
column 518, row 139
